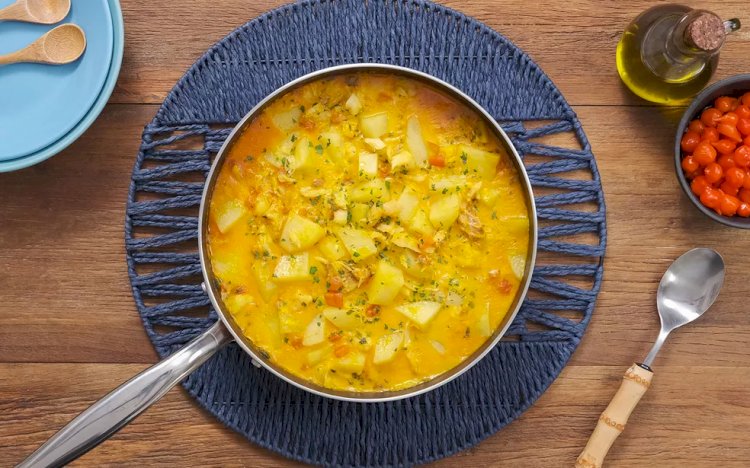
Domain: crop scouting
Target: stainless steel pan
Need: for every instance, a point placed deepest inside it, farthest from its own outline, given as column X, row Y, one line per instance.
column 126, row 402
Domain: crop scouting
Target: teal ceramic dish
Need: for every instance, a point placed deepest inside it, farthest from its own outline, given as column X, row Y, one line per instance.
column 40, row 103
column 112, row 72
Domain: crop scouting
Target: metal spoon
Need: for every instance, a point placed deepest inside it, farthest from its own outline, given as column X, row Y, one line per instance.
column 686, row 291
column 59, row 46
column 36, row 11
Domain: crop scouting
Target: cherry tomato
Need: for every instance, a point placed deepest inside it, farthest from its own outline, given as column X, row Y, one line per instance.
column 729, row 131
column 724, row 146
column 696, row 126
column 710, row 117
column 746, row 183
column 689, row 141
column 734, row 176
column 729, row 118
column 741, row 156
column 744, row 195
column 711, row 197
column 713, row 173
column 704, row 153
column 744, row 210
column 729, row 205
column 710, row 134
column 726, row 161
column 699, row 184
column 729, row 189
column 746, row 141
column 742, row 112
column 689, row 164
column 746, row 99
column 743, row 125
column 725, row 103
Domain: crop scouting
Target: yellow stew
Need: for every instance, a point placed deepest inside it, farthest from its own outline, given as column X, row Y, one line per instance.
column 368, row 232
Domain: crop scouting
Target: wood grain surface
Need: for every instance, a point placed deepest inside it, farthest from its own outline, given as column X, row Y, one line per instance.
column 69, row 330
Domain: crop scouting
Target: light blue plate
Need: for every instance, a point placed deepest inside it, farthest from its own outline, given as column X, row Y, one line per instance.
column 101, row 100
column 39, row 104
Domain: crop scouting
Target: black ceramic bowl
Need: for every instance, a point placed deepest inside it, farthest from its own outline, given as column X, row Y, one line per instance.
column 734, row 86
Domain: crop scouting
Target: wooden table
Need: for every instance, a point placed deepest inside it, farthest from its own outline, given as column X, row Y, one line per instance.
column 69, row 331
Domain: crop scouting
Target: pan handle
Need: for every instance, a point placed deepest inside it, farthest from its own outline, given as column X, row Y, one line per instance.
column 127, row 401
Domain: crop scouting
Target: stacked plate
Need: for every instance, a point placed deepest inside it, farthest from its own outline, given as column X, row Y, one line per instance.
column 44, row 108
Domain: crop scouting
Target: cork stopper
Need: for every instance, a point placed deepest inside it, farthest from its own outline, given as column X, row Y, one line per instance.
column 705, row 32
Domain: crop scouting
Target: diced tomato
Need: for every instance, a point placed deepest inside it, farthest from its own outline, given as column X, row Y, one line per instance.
column 335, row 299
column 372, row 310
column 503, row 285
column 295, row 341
column 437, row 159
column 335, row 284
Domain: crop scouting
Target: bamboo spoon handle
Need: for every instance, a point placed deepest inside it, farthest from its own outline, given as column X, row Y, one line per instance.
column 13, row 57
column 14, row 12
column 612, row 422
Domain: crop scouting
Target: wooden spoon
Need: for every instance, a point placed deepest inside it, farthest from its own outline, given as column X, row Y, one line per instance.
column 36, row 11
column 62, row 45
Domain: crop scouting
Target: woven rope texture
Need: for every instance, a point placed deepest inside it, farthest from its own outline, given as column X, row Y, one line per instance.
column 176, row 153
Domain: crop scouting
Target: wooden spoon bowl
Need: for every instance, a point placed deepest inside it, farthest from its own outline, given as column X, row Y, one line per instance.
column 64, row 44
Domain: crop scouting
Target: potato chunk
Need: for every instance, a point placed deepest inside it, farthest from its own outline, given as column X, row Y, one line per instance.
column 444, row 211
column 375, row 143
column 353, row 362
column 300, row 233
column 239, row 303
column 518, row 265
column 402, row 161
column 368, row 164
column 375, row 125
column 421, row 224
column 302, row 154
column 286, row 120
column 370, row 191
column 332, row 248
column 315, row 332
column 315, row 356
column 266, row 287
column 385, row 284
column 343, row 319
column 292, row 268
column 404, row 207
column 449, row 183
column 483, row 322
column 353, row 104
column 386, row 347
column 415, row 141
column 358, row 243
column 421, row 313
column 228, row 214
column 479, row 161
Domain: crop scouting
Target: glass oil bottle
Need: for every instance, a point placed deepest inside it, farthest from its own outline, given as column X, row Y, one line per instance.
column 669, row 52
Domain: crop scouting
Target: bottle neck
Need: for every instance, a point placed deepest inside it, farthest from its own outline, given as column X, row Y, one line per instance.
column 698, row 35
column 677, row 48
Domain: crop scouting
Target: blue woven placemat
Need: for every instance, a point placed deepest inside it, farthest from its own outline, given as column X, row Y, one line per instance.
column 189, row 128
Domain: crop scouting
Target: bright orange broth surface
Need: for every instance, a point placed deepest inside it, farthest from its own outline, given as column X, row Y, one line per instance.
column 420, row 225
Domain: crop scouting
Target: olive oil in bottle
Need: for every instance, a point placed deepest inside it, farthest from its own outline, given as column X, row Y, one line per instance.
column 669, row 52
